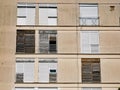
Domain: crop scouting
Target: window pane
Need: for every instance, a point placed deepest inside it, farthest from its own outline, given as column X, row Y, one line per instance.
column 88, row 10
column 24, row 70
column 48, row 89
column 88, row 14
column 47, row 70
column 52, row 21
column 26, row 14
column 24, row 88
column 47, row 14
column 89, row 41
column 90, row 88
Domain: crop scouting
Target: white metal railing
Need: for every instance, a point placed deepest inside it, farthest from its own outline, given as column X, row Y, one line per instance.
column 92, row 21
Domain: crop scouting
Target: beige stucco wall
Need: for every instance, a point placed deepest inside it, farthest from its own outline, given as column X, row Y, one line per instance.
column 71, row 1
column 109, row 41
column 109, row 88
column 110, row 70
column 107, row 17
column 67, row 70
column 66, row 41
column 79, row 70
column 68, row 88
column 67, row 14
column 48, row 1
column 7, row 43
column 98, row 1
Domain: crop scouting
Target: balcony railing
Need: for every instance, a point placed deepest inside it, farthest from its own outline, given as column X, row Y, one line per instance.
column 89, row 21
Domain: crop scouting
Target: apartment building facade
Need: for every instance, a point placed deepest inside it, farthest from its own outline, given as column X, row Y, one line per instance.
column 60, row 45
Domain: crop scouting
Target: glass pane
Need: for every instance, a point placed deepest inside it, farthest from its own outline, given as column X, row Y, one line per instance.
column 89, row 41
column 28, row 72
column 52, row 21
column 43, row 16
column 88, row 14
column 25, row 69
column 90, row 88
column 45, row 68
column 47, row 14
column 26, row 14
column 24, row 88
column 47, row 88
column 94, row 37
column 88, row 10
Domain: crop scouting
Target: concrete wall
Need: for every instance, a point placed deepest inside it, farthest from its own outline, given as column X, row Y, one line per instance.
column 109, row 41
column 67, row 70
column 7, row 43
column 108, row 16
column 66, row 41
column 67, row 14
column 110, row 70
column 69, row 66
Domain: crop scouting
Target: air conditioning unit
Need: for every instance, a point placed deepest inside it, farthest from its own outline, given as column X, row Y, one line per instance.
column 19, row 77
column 52, row 75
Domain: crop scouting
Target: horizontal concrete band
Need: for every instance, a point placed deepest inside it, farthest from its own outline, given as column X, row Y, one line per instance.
column 68, row 85
column 69, row 28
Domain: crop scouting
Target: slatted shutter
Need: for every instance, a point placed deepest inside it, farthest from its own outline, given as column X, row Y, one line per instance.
column 47, row 41
column 25, row 41
column 90, row 70
column 44, row 42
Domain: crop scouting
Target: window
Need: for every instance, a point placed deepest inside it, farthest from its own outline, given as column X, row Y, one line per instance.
column 25, row 14
column 89, row 14
column 47, row 70
column 48, row 89
column 47, row 41
column 24, row 70
column 90, row 70
column 25, row 41
column 29, row 88
column 47, row 14
column 89, row 41
column 24, row 88
column 90, row 88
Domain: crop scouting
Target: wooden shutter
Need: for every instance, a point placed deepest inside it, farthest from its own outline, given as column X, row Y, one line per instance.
column 90, row 70
column 25, row 41
column 20, row 41
column 44, row 42
column 29, row 41
column 47, row 43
